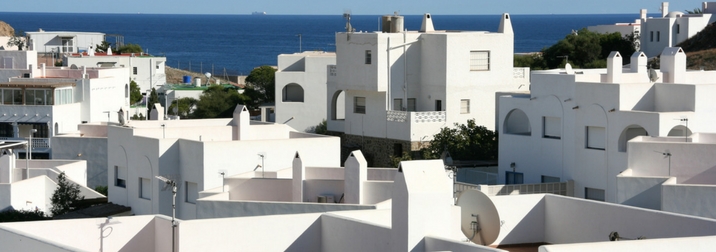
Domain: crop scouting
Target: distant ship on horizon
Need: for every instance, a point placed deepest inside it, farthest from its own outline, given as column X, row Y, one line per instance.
column 258, row 13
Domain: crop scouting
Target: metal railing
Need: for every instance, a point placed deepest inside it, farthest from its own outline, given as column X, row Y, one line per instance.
column 560, row 188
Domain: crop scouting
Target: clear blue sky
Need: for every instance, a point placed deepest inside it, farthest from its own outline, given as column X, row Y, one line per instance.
column 357, row 7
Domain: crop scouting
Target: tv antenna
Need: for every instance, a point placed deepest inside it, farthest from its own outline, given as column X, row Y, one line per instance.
column 614, row 236
column 666, row 154
column 174, row 185
column 347, row 16
column 480, row 222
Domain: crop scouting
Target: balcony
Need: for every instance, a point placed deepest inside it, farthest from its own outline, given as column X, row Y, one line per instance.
column 38, row 144
column 414, row 126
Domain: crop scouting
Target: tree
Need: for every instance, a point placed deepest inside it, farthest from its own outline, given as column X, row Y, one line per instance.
column 103, row 47
column 153, row 98
column 18, row 39
column 184, row 106
column 135, row 95
column 217, row 102
column 261, row 84
column 464, row 142
column 130, row 48
column 586, row 49
column 695, row 11
column 64, row 196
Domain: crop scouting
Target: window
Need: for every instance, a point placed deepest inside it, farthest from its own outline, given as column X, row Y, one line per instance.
column 658, row 36
column 594, row 194
column 68, row 44
column 126, row 91
column 398, row 104
column 465, row 106
column 596, row 138
column 191, row 192
column 479, row 60
column 6, row 63
column 11, row 96
column 359, row 105
column 438, row 105
column 292, row 93
column 63, row 96
column 134, row 70
column 145, row 188
column 549, row 179
column 38, row 97
column 651, row 36
column 368, row 57
column 411, row 104
column 512, row 178
column 120, row 176
column 552, row 127
column 678, row 28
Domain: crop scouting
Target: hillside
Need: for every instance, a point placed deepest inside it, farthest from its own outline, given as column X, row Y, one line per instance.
column 701, row 49
column 6, row 30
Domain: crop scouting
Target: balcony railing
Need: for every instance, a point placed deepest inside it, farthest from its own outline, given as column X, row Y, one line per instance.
column 36, row 142
column 561, row 188
column 416, row 117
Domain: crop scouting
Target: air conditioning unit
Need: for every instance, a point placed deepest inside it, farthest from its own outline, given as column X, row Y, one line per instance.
column 27, row 75
column 321, row 199
column 326, row 198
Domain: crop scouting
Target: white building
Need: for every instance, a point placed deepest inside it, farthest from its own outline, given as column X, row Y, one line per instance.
column 301, row 88
column 146, row 70
column 17, row 64
column 420, row 217
column 54, row 100
column 626, row 29
column 391, row 91
column 673, row 174
column 672, row 27
column 31, row 189
column 63, row 41
column 194, row 153
column 575, row 124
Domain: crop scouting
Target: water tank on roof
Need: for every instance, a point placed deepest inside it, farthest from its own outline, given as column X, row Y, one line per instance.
column 187, row 79
column 198, row 81
column 396, row 24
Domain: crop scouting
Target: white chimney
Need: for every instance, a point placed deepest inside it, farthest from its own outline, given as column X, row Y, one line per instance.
column 427, row 25
column 638, row 62
column 241, row 123
column 505, row 24
column 673, row 65
column 355, row 174
column 642, row 14
column 614, row 67
column 664, row 9
column 299, row 175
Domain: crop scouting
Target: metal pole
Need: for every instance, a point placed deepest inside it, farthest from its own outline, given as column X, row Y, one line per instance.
column 174, row 202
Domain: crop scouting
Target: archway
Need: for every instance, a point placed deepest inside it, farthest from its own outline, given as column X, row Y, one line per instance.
column 517, row 123
column 628, row 133
column 292, row 93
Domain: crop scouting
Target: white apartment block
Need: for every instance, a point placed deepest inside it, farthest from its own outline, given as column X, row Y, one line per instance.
column 575, row 124
column 301, row 88
column 63, row 41
column 53, row 100
column 672, row 27
column 420, row 217
column 146, row 70
column 195, row 154
column 391, row 91
column 673, row 174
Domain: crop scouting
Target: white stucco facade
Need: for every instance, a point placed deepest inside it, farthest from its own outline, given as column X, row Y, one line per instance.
column 575, row 124
column 63, row 41
column 407, row 85
column 672, row 27
column 146, row 70
column 301, row 81
column 194, row 152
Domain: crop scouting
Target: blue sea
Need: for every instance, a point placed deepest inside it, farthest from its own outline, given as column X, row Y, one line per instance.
column 238, row 43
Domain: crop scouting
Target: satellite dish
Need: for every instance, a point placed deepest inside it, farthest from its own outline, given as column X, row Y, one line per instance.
column 479, row 219
column 120, row 116
column 208, row 75
column 568, row 68
column 653, row 77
